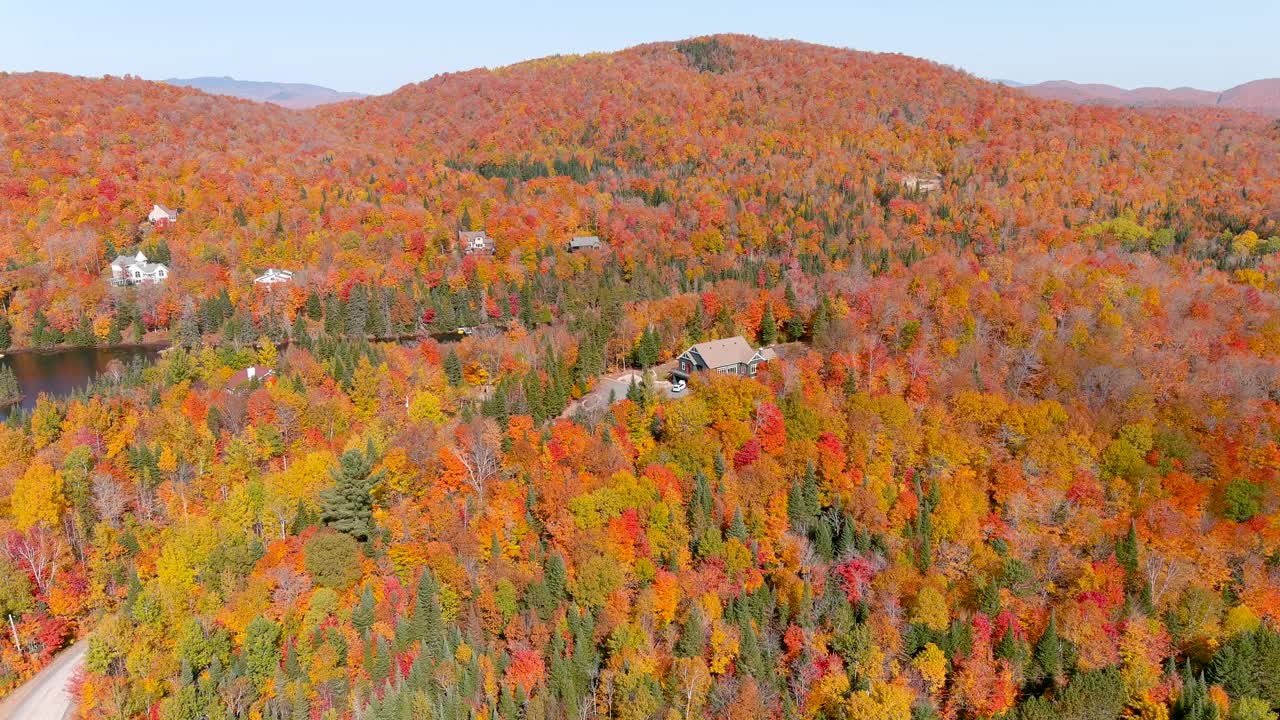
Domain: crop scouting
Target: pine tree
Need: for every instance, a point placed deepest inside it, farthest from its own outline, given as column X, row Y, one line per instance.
column 555, row 575
column 6, row 332
column 820, row 328
column 1050, row 660
column 428, row 616
column 1194, row 703
column 313, row 308
column 348, row 505
column 699, row 507
column 795, row 508
column 299, row 334
column 362, row 616
column 647, row 348
column 738, row 528
column 453, row 368
column 188, row 325
column 692, row 635
column 9, row 391
column 1012, row 648
column 357, row 316
column 380, row 665
column 768, row 327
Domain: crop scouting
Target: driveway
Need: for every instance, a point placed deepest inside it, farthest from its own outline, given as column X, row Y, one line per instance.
column 611, row 389
column 45, row 696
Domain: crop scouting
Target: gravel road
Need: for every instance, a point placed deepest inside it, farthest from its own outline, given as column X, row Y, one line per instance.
column 45, row 696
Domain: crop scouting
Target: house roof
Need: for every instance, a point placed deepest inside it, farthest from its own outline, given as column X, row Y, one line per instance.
column 726, row 351
column 125, row 260
column 253, row 372
column 163, row 209
column 274, row 273
column 150, row 268
column 583, row 241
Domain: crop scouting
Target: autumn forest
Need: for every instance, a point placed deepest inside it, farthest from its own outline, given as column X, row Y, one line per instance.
column 1014, row 452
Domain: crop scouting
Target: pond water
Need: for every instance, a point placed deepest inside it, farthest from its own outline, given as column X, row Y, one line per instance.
column 58, row 373
column 61, row 372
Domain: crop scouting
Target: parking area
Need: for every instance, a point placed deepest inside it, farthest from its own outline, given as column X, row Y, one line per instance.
column 610, row 389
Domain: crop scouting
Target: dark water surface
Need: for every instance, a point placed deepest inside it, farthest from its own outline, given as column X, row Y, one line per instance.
column 58, row 373
column 61, row 372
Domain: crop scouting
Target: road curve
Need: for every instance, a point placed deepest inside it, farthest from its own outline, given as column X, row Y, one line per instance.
column 45, row 696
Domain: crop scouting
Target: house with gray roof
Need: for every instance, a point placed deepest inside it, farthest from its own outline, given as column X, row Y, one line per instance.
column 728, row 355
column 585, row 242
column 136, row 270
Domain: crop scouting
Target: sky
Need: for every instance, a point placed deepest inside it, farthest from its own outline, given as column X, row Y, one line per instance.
column 375, row 47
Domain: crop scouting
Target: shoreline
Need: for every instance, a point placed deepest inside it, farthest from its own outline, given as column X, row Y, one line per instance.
column 32, row 350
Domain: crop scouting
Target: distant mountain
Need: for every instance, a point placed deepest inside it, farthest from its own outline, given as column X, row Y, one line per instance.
column 291, row 95
column 1260, row 96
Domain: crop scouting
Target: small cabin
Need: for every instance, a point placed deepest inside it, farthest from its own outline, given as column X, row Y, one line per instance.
column 585, row 242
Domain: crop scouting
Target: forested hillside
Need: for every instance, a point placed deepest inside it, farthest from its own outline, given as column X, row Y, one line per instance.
column 1018, row 456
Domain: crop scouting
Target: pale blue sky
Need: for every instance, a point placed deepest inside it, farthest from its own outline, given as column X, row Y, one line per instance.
column 377, row 46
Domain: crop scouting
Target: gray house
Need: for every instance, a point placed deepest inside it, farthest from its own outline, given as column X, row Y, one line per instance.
column 585, row 242
column 730, row 355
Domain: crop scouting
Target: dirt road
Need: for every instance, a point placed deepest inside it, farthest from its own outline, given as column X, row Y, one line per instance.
column 45, row 696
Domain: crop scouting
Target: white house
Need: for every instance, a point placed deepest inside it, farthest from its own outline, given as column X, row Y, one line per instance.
column 273, row 276
column 120, row 266
column 135, row 270
column 476, row 242
column 161, row 214
column 148, row 273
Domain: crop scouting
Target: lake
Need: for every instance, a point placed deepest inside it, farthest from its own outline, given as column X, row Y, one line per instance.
column 60, row 372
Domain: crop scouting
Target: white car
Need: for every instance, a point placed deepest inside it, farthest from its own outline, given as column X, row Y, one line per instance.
column 678, row 386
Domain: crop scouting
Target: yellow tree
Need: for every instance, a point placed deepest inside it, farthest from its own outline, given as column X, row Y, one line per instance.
column 37, row 497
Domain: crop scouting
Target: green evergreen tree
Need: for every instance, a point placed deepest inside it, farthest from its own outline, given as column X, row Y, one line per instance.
column 738, row 528
column 692, row 635
column 768, row 327
column 555, row 575
column 261, row 649
column 428, row 616
column 299, row 334
column 1248, row 665
column 357, row 315
column 363, row 614
column 313, row 307
column 188, row 325
column 348, row 506
column 1050, row 654
column 9, row 391
column 1193, row 702
column 1012, row 648
column 453, row 368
